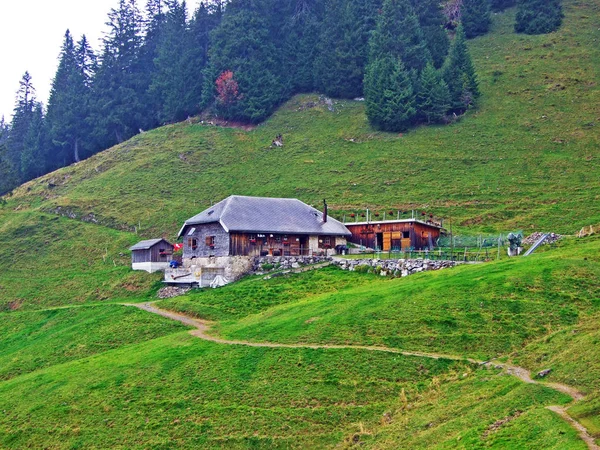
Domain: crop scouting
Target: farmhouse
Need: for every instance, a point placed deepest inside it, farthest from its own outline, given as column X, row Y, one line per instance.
column 151, row 255
column 406, row 234
column 224, row 239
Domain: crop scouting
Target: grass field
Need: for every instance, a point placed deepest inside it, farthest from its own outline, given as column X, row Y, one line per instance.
column 80, row 370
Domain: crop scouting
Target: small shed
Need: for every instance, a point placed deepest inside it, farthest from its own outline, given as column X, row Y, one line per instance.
column 151, row 255
column 395, row 234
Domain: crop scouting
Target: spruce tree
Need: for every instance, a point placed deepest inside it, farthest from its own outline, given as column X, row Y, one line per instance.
column 476, row 17
column 242, row 44
column 119, row 86
column 68, row 105
column 398, row 34
column 389, row 95
column 433, row 98
column 459, row 74
column 34, row 154
column 538, row 16
column 22, row 118
column 501, row 5
column 343, row 49
column 432, row 21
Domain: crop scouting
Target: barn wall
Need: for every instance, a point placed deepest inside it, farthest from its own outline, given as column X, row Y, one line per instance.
column 393, row 236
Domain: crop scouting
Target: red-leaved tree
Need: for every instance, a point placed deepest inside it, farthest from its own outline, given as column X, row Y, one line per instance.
column 227, row 89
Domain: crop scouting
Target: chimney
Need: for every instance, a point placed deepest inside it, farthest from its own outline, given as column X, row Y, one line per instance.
column 324, row 211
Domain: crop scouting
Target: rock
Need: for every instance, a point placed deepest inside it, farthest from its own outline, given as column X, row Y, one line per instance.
column 543, row 373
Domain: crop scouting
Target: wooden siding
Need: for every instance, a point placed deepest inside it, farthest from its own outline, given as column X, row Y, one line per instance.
column 159, row 252
column 394, row 235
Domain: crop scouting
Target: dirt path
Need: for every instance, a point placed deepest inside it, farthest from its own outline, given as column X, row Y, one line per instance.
column 203, row 326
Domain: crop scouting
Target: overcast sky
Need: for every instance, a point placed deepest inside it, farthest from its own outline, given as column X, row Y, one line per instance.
column 31, row 34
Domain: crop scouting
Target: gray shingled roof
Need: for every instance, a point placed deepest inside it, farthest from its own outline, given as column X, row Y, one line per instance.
column 268, row 215
column 145, row 245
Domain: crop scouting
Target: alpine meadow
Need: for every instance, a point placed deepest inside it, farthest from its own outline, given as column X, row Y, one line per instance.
column 478, row 119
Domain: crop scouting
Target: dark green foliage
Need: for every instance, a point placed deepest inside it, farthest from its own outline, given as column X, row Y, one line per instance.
column 431, row 19
column 389, row 95
column 459, row 74
column 476, row 17
column 69, row 103
column 35, row 146
column 433, row 99
column 501, row 5
column 538, row 16
column 119, row 86
column 242, row 44
column 398, row 34
column 8, row 175
column 343, row 49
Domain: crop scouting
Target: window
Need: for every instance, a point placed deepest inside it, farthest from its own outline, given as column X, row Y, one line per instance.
column 193, row 243
column 192, row 231
column 405, row 234
column 210, row 241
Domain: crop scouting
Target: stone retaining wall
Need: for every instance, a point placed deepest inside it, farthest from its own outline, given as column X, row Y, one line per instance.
column 395, row 267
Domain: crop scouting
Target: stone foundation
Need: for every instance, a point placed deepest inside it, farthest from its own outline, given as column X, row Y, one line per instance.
column 395, row 267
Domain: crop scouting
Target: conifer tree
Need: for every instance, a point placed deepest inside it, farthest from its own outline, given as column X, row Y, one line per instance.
column 22, row 118
column 343, row 48
column 501, row 5
column 242, row 44
column 8, row 174
column 459, row 74
column 119, row 87
column 431, row 19
column 538, row 16
column 34, row 153
column 68, row 105
column 433, row 98
column 398, row 34
column 476, row 17
column 389, row 95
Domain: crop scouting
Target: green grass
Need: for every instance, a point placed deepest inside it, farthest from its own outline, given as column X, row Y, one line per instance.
column 34, row 340
column 461, row 413
column 52, row 261
column 179, row 391
column 253, row 294
column 525, row 159
column 480, row 311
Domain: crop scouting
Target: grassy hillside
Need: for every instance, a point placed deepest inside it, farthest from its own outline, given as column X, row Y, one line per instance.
column 79, row 370
column 526, row 158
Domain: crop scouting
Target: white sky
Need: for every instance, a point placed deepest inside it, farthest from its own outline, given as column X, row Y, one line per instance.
column 32, row 32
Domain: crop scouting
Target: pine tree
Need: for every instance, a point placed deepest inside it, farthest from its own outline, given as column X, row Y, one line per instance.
column 242, row 44
column 8, row 174
column 68, row 105
column 343, row 49
column 399, row 35
column 119, row 86
column 459, row 74
column 538, row 16
column 501, row 5
column 22, row 118
column 389, row 95
column 34, row 154
column 476, row 17
column 433, row 99
column 432, row 21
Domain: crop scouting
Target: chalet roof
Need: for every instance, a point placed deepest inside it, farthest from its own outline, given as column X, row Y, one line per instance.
column 382, row 222
column 145, row 245
column 268, row 215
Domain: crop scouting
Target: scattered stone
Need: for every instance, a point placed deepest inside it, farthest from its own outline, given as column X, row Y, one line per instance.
column 171, row 291
column 534, row 237
column 499, row 423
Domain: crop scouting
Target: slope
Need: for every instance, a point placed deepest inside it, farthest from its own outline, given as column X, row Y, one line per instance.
column 524, row 159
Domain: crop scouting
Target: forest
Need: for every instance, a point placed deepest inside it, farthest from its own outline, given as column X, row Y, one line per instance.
column 240, row 59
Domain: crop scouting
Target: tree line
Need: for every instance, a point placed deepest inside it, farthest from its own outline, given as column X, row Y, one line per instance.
column 240, row 59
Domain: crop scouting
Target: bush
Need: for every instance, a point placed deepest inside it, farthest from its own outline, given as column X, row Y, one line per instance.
column 538, row 16
column 267, row 267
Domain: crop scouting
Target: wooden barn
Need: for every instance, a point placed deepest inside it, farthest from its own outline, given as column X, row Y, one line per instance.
column 260, row 226
column 408, row 234
column 151, row 255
